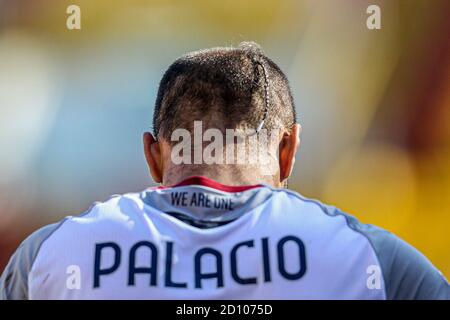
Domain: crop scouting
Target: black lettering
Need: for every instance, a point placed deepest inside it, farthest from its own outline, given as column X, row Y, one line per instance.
column 168, row 273
column 97, row 261
column 178, row 198
column 266, row 259
column 199, row 276
column 152, row 270
column 234, row 263
column 302, row 258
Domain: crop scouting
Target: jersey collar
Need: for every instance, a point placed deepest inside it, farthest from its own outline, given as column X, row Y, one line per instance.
column 201, row 199
column 206, row 182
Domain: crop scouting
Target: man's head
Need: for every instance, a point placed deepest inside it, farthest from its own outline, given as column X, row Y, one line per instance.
column 224, row 88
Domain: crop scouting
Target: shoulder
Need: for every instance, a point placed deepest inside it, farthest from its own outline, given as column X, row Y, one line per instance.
column 107, row 217
column 14, row 280
column 407, row 273
column 111, row 213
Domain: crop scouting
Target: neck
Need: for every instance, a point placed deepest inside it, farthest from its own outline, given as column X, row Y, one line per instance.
column 228, row 175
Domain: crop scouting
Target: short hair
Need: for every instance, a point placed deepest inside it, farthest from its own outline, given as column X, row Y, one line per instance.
column 225, row 88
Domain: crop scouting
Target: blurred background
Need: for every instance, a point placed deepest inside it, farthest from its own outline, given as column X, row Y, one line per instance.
column 374, row 104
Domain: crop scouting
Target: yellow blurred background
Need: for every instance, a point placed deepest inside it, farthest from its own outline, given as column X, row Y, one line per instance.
column 374, row 104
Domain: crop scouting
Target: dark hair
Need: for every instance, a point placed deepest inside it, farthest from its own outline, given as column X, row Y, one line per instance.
column 226, row 88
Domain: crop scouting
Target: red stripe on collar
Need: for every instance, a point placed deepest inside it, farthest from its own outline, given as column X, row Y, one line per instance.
column 204, row 181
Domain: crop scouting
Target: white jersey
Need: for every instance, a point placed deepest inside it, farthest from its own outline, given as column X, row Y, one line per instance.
column 204, row 240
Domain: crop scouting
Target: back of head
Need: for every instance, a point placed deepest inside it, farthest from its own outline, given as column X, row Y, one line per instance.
column 238, row 90
column 225, row 88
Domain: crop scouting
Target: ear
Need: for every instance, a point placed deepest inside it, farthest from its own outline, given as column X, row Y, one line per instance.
column 153, row 156
column 287, row 150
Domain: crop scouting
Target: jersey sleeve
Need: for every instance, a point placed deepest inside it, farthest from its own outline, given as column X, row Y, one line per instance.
column 14, row 280
column 407, row 273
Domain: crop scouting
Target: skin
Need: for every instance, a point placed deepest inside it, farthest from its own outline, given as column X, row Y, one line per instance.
column 163, row 171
